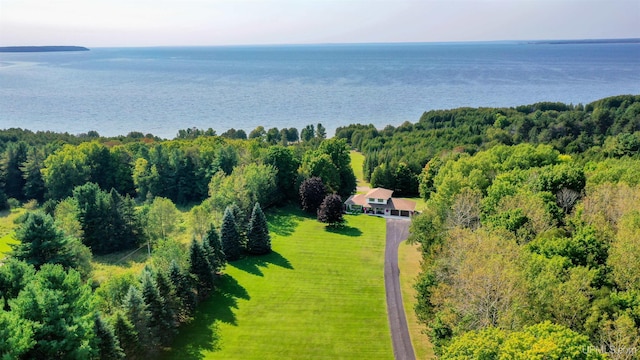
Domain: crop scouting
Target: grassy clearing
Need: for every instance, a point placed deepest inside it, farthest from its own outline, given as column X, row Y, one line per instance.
column 6, row 229
column 357, row 161
column 409, row 264
column 320, row 295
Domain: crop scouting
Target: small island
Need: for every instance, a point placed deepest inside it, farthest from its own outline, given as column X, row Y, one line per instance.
column 41, row 48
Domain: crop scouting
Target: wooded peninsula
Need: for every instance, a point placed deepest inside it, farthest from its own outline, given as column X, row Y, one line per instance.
column 529, row 232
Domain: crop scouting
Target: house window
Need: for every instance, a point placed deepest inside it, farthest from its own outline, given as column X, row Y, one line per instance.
column 381, row 201
column 371, row 200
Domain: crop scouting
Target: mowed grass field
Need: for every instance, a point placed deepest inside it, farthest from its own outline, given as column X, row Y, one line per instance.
column 357, row 162
column 319, row 295
column 409, row 263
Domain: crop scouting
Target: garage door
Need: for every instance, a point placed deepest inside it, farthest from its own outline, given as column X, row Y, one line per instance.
column 405, row 213
column 395, row 212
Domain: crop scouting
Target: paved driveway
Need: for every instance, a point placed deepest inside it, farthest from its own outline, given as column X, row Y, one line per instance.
column 397, row 231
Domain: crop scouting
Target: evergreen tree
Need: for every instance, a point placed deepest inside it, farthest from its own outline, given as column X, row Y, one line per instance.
column 200, row 267
column 10, row 174
column 14, row 276
column 330, row 211
column 213, row 246
column 258, row 239
column 109, row 221
column 34, row 183
column 126, row 334
column 184, row 292
column 106, row 342
column 312, row 192
column 160, row 322
column 138, row 315
column 231, row 241
column 168, row 293
column 60, row 306
column 41, row 242
column 16, row 335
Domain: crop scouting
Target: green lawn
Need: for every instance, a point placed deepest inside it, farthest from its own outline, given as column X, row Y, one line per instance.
column 409, row 259
column 357, row 161
column 6, row 230
column 319, row 295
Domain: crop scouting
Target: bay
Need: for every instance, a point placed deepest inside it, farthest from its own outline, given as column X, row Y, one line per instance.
column 161, row 90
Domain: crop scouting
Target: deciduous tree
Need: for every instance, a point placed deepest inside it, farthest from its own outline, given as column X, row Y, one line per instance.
column 330, row 211
column 312, row 193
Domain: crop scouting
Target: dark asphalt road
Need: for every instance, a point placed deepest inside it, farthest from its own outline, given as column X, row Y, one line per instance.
column 397, row 231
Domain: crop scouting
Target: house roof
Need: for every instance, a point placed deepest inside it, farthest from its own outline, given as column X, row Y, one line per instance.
column 379, row 193
column 395, row 203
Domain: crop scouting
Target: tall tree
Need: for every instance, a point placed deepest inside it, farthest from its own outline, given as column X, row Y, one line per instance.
column 287, row 164
column 106, row 343
column 231, row 239
column 14, row 276
column 33, row 182
column 137, row 313
column 258, row 238
column 213, row 246
column 163, row 216
column 330, row 210
column 312, row 192
column 126, row 334
column 184, row 292
column 41, row 242
column 16, row 335
column 10, row 174
column 160, row 321
column 61, row 306
column 201, row 269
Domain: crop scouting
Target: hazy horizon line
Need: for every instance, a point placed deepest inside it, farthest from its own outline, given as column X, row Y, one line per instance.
column 505, row 41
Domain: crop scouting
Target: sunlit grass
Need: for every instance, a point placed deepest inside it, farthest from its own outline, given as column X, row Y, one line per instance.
column 7, row 227
column 357, row 162
column 409, row 264
column 320, row 295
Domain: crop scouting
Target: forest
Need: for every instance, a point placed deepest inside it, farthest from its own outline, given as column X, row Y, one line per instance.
column 84, row 198
column 530, row 235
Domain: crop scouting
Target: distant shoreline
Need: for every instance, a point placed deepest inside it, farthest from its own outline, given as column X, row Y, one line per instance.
column 29, row 49
column 588, row 41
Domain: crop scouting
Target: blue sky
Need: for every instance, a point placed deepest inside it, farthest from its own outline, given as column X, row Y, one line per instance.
column 96, row 23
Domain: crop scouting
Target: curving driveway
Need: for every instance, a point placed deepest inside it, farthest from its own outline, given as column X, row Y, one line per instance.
column 397, row 231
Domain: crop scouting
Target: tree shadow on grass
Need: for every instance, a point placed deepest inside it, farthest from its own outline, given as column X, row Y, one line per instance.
column 284, row 221
column 344, row 230
column 252, row 264
column 202, row 333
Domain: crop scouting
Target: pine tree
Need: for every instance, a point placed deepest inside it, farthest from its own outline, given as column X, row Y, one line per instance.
column 106, row 342
column 168, row 292
column 200, row 267
column 41, row 242
column 159, row 322
column 137, row 313
column 61, row 307
column 231, row 241
column 184, row 292
column 213, row 246
column 259, row 241
column 126, row 334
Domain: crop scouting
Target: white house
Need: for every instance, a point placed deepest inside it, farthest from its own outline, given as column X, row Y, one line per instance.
column 379, row 201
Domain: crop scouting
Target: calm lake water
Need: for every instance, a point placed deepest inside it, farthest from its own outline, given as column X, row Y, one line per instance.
column 161, row 90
